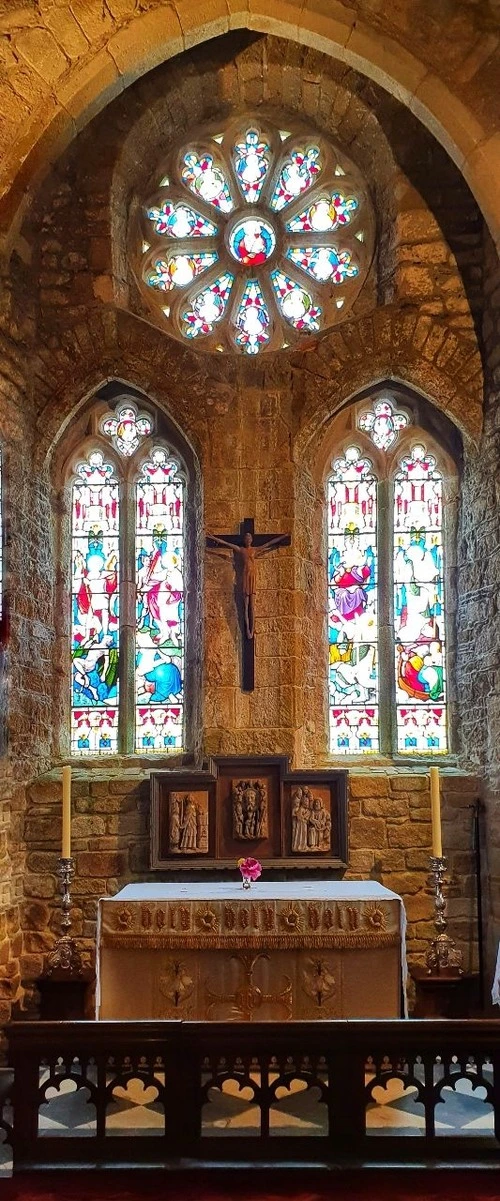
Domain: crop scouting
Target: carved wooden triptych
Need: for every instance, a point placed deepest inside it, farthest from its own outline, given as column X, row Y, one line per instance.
column 243, row 807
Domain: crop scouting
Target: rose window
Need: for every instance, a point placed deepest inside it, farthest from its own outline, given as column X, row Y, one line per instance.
column 255, row 238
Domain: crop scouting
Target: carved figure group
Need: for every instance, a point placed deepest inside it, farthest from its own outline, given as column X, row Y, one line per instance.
column 311, row 822
column 249, row 801
column 188, row 831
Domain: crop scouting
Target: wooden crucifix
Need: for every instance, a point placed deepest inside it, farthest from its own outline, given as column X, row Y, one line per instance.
column 247, row 547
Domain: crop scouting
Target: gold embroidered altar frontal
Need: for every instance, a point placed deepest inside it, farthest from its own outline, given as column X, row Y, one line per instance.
column 217, row 952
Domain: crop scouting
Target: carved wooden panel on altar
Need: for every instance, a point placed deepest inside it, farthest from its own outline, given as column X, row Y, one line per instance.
column 248, row 806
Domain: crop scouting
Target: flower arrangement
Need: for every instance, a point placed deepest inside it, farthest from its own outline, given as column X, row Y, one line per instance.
column 250, row 870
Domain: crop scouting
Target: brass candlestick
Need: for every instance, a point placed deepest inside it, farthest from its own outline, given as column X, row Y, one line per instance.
column 442, row 958
column 65, row 956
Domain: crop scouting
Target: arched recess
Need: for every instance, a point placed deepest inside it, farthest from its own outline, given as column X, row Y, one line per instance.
column 425, row 425
column 84, row 435
column 109, row 64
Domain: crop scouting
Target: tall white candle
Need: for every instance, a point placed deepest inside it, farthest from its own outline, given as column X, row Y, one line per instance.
column 66, row 813
column 437, row 842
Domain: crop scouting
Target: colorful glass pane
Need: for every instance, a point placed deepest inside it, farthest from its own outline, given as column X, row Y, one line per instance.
column 324, row 263
column 95, row 603
column 324, row 214
column 252, row 241
column 252, row 319
column 352, row 605
column 383, row 424
column 298, row 173
column 127, row 429
column 295, row 303
column 179, row 220
column 160, row 604
column 206, row 179
column 208, row 307
column 251, row 160
column 419, row 629
column 179, row 270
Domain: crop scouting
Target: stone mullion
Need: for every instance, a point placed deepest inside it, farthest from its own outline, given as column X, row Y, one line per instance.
column 387, row 692
column 126, row 718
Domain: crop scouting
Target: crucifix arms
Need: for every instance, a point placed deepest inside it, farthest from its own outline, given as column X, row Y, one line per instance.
column 248, row 542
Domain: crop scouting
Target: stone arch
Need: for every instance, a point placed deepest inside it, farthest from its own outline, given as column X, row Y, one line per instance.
column 85, row 65
column 401, row 346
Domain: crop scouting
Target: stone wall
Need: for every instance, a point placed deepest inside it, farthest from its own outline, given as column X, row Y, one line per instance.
column 261, row 434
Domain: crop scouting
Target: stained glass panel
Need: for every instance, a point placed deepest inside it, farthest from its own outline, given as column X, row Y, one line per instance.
column 251, row 160
column 352, row 605
column 383, row 424
column 252, row 320
column 419, row 630
column 95, row 602
column 208, row 307
column 178, row 220
column 299, row 172
column 127, row 429
column 179, row 270
column 252, row 241
column 295, row 303
column 324, row 214
column 206, row 179
column 324, row 263
column 160, row 604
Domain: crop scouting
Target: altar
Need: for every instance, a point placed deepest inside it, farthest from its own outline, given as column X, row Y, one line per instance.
column 279, row 951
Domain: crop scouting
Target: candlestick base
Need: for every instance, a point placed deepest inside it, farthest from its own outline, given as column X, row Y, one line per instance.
column 65, row 955
column 442, row 958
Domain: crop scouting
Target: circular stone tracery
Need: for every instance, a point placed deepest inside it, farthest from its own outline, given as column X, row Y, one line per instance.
column 256, row 237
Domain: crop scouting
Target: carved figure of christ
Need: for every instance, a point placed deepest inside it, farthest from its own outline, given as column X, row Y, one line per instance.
column 246, row 548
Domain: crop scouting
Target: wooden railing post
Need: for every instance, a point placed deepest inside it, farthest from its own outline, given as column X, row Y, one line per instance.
column 25, row 1058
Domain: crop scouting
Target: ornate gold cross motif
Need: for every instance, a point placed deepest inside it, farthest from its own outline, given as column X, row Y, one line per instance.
column 249, row 997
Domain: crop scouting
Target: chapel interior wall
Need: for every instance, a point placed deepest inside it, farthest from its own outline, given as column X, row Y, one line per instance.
column 71, row 319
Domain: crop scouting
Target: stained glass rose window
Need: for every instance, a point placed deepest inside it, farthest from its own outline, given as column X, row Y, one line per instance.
column 255, row 238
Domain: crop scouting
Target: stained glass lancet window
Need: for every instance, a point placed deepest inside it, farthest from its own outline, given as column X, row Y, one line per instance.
column 95, row 609
column 419, row 618
column 128, row 500
column 352, row 605
column 159, row 554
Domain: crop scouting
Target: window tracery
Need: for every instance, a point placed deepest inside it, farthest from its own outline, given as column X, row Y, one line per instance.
column 258, row 236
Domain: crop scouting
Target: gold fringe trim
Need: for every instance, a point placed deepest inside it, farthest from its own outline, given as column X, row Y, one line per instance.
column 353, row 941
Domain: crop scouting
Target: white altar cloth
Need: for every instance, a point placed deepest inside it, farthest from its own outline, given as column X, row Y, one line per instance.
column 313, row 947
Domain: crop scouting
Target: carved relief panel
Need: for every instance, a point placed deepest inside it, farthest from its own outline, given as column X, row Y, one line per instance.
column 284, row 818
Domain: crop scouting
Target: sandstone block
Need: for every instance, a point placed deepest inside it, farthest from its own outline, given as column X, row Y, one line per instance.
column 101, row 863
column 386, row 806
column 409, row 784
column 369, row 832
column 35, row 915
column 368, row 786
column 39, row 885
column 403, row 836
column 419, row 907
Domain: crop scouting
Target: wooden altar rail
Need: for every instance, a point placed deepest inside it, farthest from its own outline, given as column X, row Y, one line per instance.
column 188, row 1063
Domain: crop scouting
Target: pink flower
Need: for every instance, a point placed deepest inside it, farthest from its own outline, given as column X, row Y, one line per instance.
column 250, row 868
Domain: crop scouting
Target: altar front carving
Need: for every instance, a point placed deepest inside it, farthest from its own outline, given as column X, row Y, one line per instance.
column 214, row 952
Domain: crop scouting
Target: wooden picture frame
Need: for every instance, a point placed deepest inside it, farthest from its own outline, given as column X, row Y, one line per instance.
column 248, row 805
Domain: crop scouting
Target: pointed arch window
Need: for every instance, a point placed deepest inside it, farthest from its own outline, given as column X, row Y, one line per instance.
column 128, row 590
column 387, row 587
